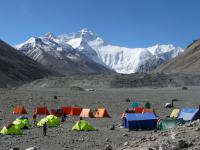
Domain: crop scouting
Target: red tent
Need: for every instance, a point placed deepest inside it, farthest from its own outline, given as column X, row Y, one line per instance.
column 66, row 109
column 19, row 110
column 75, row 111
column 42, row 110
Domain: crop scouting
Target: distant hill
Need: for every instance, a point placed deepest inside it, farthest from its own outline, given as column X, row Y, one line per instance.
column 186, row 63
column 17, row 68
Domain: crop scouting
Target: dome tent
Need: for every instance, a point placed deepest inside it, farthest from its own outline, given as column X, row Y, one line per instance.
column 11, row 129
column 51, row 120
column 83, row 125
column 22, row 122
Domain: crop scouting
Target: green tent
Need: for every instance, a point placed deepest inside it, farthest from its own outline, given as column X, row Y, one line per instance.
column 166, row 124
column 11, row 129
column 51, row 120
column 147, row 105
column 21, row 123
column 135, row 104
column 83, row 125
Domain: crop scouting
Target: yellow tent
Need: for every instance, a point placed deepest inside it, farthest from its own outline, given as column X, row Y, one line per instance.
column 175, row 113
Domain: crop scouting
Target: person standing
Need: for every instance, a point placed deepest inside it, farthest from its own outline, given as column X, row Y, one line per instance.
column 64, row 117
column 45, row 129
column 34, row 120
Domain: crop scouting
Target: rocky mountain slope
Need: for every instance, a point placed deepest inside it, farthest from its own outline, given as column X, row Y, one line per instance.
column 86, row 46
column 16, row 68
column 59, row 57
column 187, row 63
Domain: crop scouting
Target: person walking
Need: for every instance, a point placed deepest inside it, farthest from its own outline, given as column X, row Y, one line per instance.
column 45, row 129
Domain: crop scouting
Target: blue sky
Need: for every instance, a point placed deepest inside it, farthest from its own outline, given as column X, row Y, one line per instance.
column 130, row 23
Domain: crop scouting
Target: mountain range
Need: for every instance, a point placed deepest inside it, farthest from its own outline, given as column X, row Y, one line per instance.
column 85, row 52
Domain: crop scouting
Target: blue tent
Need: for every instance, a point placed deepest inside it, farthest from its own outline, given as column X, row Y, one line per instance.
column 189, row 114
column 135, row 121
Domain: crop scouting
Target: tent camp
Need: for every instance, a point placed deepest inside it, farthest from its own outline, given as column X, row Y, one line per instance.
column 75, row 111
column 166, row 124
column 189, row 114
column 11, row 129
column 42, row 110
column 51, row 120
column 83, row 125
column 19, row 110
column 66, row 109
column 22, row 122
column 86, row 112
column 57, row 112
column 175, row 113
column 135, row 121
column 102, row 113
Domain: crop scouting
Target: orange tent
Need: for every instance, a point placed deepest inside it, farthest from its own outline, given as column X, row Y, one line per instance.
column 66, row 109
column 86, row 112
column 19, row 110
column 138, row 110
column 102, row 113
column 75, row 111
column 42, row 110
column 148, row 110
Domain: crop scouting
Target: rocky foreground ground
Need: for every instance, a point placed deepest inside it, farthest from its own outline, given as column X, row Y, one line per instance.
column 63, row 138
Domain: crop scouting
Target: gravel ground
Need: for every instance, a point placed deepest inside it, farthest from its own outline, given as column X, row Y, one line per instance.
column 62, row 137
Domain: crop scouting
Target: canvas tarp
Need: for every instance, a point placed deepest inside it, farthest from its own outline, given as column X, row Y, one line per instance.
column 22, row 122
column 12, row 129
column 166, row 124
column 102, row 113
column 19, row 110
column 83, row 125
column 86, row 112
column 51, row 120
column 189, row 114
column 136, row 121
column 175, row 113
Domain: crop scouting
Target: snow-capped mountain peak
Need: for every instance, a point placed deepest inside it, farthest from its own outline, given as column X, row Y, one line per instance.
column 121, row 59
column 50, row 35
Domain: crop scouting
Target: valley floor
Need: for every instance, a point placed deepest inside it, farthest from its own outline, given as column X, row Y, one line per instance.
column 113, row 99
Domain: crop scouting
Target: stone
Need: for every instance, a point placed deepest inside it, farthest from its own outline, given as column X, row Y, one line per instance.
column 15, row 148
column 153, row 146
column 107, row 139
column 33, row 148
column 125, row 135
column 197, row 128
column 175, row 147
column 163, row 146
column 182, row 144
column 108, row 147
column 125, row 144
